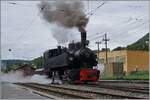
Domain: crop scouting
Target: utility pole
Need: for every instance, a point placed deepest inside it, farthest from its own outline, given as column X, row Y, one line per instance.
column 106, row 39
column 98, row 43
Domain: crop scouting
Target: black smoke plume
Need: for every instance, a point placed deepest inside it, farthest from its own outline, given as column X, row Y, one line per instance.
column 64, row 13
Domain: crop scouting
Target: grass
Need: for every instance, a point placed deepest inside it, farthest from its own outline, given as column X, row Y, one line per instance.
column 140, row 75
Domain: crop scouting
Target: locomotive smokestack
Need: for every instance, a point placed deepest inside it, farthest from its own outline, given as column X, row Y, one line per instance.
column 83, row 36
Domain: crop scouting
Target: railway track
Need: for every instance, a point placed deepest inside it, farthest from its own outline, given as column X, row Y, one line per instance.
column 144, row 90
column 126, row 86
column 125, row 81
column 68, row 92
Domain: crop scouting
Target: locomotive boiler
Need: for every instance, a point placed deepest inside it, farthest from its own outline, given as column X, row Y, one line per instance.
column 73, row 64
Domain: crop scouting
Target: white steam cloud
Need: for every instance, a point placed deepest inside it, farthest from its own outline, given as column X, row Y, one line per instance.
column 17, row 76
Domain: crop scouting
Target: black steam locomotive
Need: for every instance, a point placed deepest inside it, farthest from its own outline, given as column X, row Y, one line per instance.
column 73, row 64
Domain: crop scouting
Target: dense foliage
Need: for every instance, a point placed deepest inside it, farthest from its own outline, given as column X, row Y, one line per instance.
column 119, row 48
column 141, row 44
column 37, row 62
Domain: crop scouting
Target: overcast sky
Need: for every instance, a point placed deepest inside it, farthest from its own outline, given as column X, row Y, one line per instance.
column 27, row 35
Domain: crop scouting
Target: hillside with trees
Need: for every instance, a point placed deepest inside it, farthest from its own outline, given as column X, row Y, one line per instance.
column 141, row 44
column 7, row 65
column 37, row 62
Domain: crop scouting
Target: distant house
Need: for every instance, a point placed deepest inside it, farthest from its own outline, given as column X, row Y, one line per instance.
column 3, row 65
column 39, row 71
column 26, row 69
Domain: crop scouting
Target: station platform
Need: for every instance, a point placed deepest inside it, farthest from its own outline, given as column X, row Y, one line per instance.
column 12, row 91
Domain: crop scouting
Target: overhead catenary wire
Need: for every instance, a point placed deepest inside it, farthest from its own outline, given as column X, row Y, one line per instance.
column 15, row 3
column 101, row 36
column 126, row 37
column 32, row 21
column 136, row 19
column 93, row 35
column 92, row 39
column 123, row 27
column 89, row 14
column 121, row 31
column 92, row 10
column 28, row 26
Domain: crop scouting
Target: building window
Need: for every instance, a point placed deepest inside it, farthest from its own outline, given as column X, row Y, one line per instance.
column 110, row 59
column 120, row 59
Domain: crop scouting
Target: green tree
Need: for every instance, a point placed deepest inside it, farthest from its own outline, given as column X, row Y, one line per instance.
column 37, row 62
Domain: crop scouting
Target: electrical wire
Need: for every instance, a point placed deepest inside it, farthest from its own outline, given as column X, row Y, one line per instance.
column 15, row 3
column 126, row 36
column 101, row 36
column 89, row 14
column 94, row 34
column 28, row 26
column 126, row 29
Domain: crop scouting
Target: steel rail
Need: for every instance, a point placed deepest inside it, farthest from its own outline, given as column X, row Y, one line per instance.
column 122, row 88
column 125, row 81
column 43, row 88
column 77, row 92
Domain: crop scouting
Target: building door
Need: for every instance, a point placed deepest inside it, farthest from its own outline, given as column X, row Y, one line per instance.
column 118, row 69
